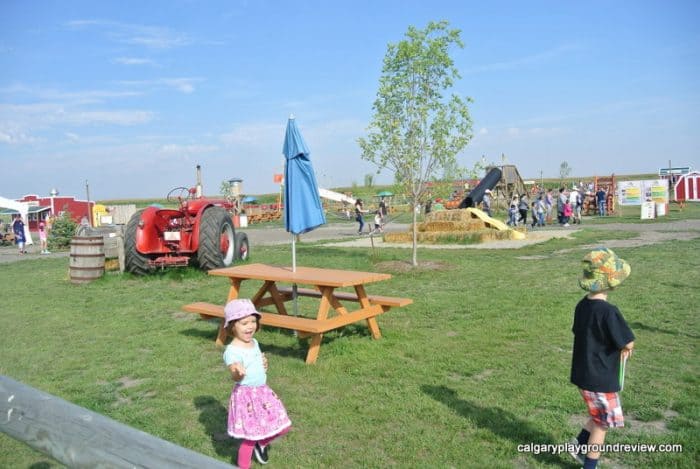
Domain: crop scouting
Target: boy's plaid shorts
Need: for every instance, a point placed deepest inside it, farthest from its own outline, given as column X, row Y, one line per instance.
column 605, row 408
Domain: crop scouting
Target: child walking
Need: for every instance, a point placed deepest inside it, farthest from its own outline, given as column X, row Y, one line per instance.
column 513, row 211
column 566, row 214
column 378, row 222
column 255, row 414
column 602, row 339
column 43, row 238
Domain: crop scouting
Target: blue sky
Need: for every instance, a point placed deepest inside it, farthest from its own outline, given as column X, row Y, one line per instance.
column 131, row 96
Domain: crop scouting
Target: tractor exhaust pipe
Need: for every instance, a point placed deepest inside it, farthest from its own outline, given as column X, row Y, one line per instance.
column 198, row 187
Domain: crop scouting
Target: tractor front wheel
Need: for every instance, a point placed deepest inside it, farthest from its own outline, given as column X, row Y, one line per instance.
column 216, row 239
column 242, row 247
column 134, row 261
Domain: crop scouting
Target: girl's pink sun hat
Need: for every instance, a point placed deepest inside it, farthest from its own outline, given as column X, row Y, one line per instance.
column 237, row 309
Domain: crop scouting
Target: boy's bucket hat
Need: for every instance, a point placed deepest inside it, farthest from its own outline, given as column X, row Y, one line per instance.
column 603, row 270
column 237, row 309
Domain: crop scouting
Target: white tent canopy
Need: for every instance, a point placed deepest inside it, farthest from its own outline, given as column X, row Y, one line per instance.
column 22, row 208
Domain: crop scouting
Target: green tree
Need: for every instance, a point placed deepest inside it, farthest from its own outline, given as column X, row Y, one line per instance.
column 369, row 180
column 62, row 231
column 416, row 131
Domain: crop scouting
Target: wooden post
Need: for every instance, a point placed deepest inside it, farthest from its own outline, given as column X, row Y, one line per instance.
column 120, row 253
column 81, row 438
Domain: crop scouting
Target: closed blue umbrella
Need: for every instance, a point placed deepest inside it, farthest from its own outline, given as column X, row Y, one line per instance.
column 302, row 205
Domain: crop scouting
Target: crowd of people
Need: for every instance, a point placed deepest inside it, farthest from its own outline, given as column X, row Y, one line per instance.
column 569, row 206
column 380, row 217
column 18, row 229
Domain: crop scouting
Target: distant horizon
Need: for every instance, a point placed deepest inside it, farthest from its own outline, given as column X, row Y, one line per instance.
column 624, row 177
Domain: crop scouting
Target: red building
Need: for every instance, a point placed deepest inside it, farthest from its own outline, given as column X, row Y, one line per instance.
column 688, row 187
column 43, row 207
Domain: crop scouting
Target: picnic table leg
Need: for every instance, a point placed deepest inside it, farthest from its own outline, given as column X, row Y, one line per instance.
column 316, row 339
column 235, row 288
column 364, row 303
column 276, row 297
column 314, row 348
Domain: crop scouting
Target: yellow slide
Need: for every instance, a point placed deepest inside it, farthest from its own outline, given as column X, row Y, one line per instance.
column 493, row 223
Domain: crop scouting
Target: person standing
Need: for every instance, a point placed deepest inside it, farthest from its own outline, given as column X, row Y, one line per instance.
column 576, row 203
column 43, row 238
column 359, row 218
column 540, row 210
column 428, row 206
column 600, row 199
column 513, row 211
column 383, row 212
column 602, row 340
column 486, row 202
column 549, row 204
column 561, row 201
column 523, row 209
column 18, row 230
column 255, row 415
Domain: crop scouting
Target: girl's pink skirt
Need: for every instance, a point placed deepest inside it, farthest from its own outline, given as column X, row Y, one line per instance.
column 255, row 413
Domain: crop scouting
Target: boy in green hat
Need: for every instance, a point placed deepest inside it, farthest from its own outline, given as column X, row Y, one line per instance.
column 601, row 339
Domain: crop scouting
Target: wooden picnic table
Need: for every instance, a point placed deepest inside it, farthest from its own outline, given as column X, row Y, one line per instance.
column 331, row 313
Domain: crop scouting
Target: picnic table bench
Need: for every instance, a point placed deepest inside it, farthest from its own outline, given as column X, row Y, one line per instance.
column 324, row 281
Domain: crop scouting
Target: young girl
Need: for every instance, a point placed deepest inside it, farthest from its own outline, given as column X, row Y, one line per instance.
column 378, row 222
column 255, row 414
column 43, row 238
column 513, row 211
column 567, row 212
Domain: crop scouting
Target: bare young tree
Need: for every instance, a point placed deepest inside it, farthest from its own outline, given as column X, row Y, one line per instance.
column 415, row 130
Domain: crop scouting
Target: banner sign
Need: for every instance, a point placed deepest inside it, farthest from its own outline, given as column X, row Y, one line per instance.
column 648, row 211
column 637, row 192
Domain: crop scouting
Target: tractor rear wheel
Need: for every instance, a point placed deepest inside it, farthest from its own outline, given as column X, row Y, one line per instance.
column 134, row 261
column 216, row 239
column 242, row 247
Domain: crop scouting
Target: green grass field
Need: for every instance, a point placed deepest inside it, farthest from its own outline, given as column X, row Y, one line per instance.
column 477, row 366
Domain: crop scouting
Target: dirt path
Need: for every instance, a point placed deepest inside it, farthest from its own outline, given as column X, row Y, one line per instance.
column 346, row 236
column 649, row 233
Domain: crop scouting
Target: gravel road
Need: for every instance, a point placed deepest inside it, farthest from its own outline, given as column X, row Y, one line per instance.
column 345, row 235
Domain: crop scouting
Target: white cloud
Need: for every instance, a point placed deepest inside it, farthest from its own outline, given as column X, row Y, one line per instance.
column 184, row 84
column 133, row 61
column 122, row 117
column 254, row 134
column 11, row 137
column 525, row 61
column 152, row 37
column 177, row 149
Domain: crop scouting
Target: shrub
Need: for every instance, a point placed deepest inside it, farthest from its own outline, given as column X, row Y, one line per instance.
column 62, row 231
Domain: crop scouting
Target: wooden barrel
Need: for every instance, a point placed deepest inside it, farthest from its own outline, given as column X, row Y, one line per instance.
column 87, row 258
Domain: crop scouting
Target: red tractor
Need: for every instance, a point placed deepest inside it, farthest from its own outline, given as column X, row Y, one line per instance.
column 200, row 231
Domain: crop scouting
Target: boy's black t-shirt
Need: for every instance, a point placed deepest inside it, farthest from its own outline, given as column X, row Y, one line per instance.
column 600, row 332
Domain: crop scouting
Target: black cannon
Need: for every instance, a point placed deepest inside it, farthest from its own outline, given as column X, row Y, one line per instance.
column 477, row 194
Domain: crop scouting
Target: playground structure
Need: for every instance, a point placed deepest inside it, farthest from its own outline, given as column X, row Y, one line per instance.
column 504, row 181
column 469, row 225
column 590, row 202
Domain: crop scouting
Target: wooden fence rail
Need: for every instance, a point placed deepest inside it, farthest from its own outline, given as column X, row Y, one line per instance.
column 81, row 438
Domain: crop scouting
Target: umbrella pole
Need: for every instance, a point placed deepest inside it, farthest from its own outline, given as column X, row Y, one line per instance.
column 294, row 269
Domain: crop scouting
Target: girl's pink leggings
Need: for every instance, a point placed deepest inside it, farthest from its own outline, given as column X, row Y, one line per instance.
column 245, row 452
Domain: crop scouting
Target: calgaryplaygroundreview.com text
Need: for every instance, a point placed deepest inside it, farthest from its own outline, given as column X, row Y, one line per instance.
column 537, row 448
